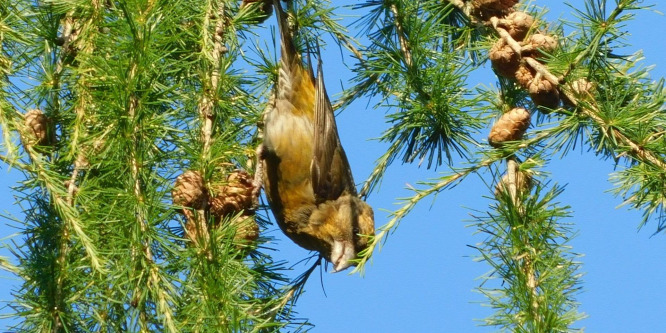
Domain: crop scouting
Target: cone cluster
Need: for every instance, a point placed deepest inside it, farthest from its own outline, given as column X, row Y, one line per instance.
column 510, row 52
column 236, row 197
column 517, row 55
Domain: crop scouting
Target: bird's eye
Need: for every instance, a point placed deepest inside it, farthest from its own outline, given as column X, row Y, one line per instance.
column 356, row 231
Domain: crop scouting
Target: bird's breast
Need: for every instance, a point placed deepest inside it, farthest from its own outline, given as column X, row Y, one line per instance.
column 289, row 137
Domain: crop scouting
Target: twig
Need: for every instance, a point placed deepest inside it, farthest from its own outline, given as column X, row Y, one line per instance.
column 349, row 45
column 512, row 171
column 10, row 162
column 208, row 99
column 404, row 44
column 531, row 284
column 528, row 261
column 515, row 46
column 541, row 69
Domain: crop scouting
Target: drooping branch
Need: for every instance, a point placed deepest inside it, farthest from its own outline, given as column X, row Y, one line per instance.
column 409, row 204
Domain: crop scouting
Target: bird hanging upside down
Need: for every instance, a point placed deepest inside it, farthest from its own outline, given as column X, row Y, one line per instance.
column 307, row 177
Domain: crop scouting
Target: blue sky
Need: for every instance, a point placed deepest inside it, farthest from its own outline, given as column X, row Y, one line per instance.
column 424, row 278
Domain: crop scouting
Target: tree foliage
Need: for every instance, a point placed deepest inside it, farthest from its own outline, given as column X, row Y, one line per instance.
column 130, row 94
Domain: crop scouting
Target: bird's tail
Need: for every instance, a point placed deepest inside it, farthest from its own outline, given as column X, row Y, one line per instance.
column 295, row 81
column 288, row 50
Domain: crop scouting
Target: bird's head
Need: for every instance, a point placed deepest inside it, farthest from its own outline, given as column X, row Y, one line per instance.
column 346, row 225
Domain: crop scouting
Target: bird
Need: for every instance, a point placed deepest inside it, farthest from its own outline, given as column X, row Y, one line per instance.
column 306, row 175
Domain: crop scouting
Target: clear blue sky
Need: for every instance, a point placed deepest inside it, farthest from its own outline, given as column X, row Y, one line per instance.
column 424, row 278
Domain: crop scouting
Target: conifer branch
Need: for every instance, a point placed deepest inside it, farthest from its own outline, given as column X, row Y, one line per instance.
column 593, row 45
column 74, row 45
column 636, row 151
column 145, row 271
column 139, row 212
column 402, row 38
column 66, row 203
column 409, row 203
column 69, row 215
column 527, row 256
column 208, row 100
column 214, row 28
column 69, row 35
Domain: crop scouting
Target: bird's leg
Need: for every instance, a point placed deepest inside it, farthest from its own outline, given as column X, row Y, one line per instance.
column 258, row 180
column 261, row 153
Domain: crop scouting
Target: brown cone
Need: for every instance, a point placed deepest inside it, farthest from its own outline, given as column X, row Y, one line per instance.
column 581, row 89
column 517, row 24
column 544, row 93
column 524, row 75
column 523, row 183
column 487, row 8
column 235, row 196
column 505, row 61
column 540, row 42
column 510, row 127
column 189, row 190
column 37, row 123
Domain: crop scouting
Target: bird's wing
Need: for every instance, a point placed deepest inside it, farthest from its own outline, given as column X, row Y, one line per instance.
column 331, row 173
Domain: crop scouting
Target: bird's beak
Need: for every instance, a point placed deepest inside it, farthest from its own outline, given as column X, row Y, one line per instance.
column 341, row 255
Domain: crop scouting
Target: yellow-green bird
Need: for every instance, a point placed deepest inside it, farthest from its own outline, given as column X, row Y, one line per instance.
column 307, row 178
